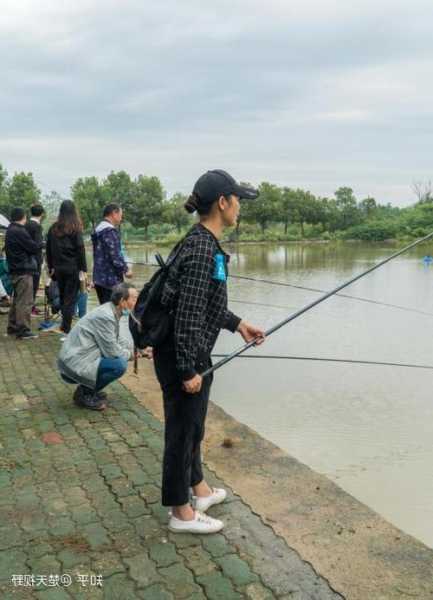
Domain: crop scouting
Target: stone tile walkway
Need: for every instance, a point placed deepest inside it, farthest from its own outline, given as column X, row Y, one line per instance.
column 80, row 513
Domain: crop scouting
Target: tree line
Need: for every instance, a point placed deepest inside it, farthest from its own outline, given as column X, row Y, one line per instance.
column 279, row 213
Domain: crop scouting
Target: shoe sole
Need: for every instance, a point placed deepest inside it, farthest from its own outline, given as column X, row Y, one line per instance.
column 194, row 531
column 99, row 408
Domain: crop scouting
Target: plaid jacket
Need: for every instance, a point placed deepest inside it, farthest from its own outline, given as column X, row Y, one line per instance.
column 196, row 290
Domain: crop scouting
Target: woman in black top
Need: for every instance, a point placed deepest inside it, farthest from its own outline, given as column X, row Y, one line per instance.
column 196, row 292
column 66, row 257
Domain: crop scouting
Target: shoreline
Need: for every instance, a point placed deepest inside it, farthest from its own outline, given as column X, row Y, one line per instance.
column 148, row 244
column 360, row 554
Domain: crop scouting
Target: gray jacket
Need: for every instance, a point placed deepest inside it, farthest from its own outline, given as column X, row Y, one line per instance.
column 94, row 336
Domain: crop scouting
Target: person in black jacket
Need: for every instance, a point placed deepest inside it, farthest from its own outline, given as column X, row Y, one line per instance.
column 34, row 228
column 195, row 293
column 21, row 254
column 66, row 257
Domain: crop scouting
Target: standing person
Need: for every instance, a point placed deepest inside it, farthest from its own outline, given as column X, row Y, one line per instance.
column 21, row 254
column 34, row 228
column 109, row 265
column 196, row 293
column 66, row 258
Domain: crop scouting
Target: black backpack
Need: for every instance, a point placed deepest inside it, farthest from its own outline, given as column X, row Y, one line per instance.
column 150, row 322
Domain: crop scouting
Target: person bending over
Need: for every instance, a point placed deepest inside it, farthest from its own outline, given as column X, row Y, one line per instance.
column 95, row 354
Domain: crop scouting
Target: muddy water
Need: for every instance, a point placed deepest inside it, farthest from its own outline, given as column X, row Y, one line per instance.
column 368, row 428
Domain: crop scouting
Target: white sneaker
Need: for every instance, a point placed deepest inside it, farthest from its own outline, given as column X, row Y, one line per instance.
column 203, row 503
column 200, row 524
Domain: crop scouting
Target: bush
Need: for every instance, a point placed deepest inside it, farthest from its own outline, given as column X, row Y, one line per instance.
column 371, row 232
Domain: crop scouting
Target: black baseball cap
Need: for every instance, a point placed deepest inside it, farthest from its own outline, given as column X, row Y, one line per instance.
column 213, row 184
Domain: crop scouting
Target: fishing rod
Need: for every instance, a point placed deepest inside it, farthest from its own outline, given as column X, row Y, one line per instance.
column 311, row 305
column 250, row 302
column 332, row 360
column 308, row 289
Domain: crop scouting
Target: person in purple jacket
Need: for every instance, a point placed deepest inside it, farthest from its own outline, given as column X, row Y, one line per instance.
column 109, row 266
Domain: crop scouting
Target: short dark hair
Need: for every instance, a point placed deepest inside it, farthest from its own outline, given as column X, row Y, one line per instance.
column 37, row 210
column 121, row 292
column 17, row 214
column 111, row 208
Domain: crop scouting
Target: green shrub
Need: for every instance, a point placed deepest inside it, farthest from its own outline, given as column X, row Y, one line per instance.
column 375, row 231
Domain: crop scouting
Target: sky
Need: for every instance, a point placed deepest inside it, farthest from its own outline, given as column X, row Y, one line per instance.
column 315, row 94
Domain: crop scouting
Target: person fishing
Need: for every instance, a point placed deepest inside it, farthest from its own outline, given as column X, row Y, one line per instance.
column 195, row 291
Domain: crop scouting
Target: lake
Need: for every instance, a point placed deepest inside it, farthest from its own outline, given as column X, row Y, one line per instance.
column 368, row 428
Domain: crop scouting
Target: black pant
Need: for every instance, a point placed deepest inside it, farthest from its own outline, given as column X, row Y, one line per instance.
column 103, row 293
column 185, row 416
column 69, row 284
column 36, row 279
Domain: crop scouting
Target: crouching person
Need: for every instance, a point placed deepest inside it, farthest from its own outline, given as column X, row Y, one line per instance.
column 94, row 354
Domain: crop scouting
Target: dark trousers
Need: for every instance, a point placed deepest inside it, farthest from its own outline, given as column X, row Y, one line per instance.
column 103, row 293
column 109, row 370
column 185, row 416
column 36, row 279
column 22, row 301
column 69, row 284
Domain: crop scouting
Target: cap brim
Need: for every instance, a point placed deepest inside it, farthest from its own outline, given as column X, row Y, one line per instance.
column 246, row 193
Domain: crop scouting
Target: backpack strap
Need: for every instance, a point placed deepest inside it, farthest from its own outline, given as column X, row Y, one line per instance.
column 164, row 264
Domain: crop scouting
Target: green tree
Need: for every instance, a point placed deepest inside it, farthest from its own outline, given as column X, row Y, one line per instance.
column 51, row 203
column 147, row 208
column 418, row 217
column 88, row 195
column 302, row 207
column 288, row 207
column 347, row 206
column 331, row 214
column 118, row 187
column 23, row 191
column 175, row 213
column 265, row 209
column 368, row 207
column 310, row 210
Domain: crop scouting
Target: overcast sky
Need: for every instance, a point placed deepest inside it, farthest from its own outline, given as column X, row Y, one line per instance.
column 305, row 93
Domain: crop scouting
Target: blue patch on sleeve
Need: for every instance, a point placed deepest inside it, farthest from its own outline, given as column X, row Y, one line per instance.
column 220, row 268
